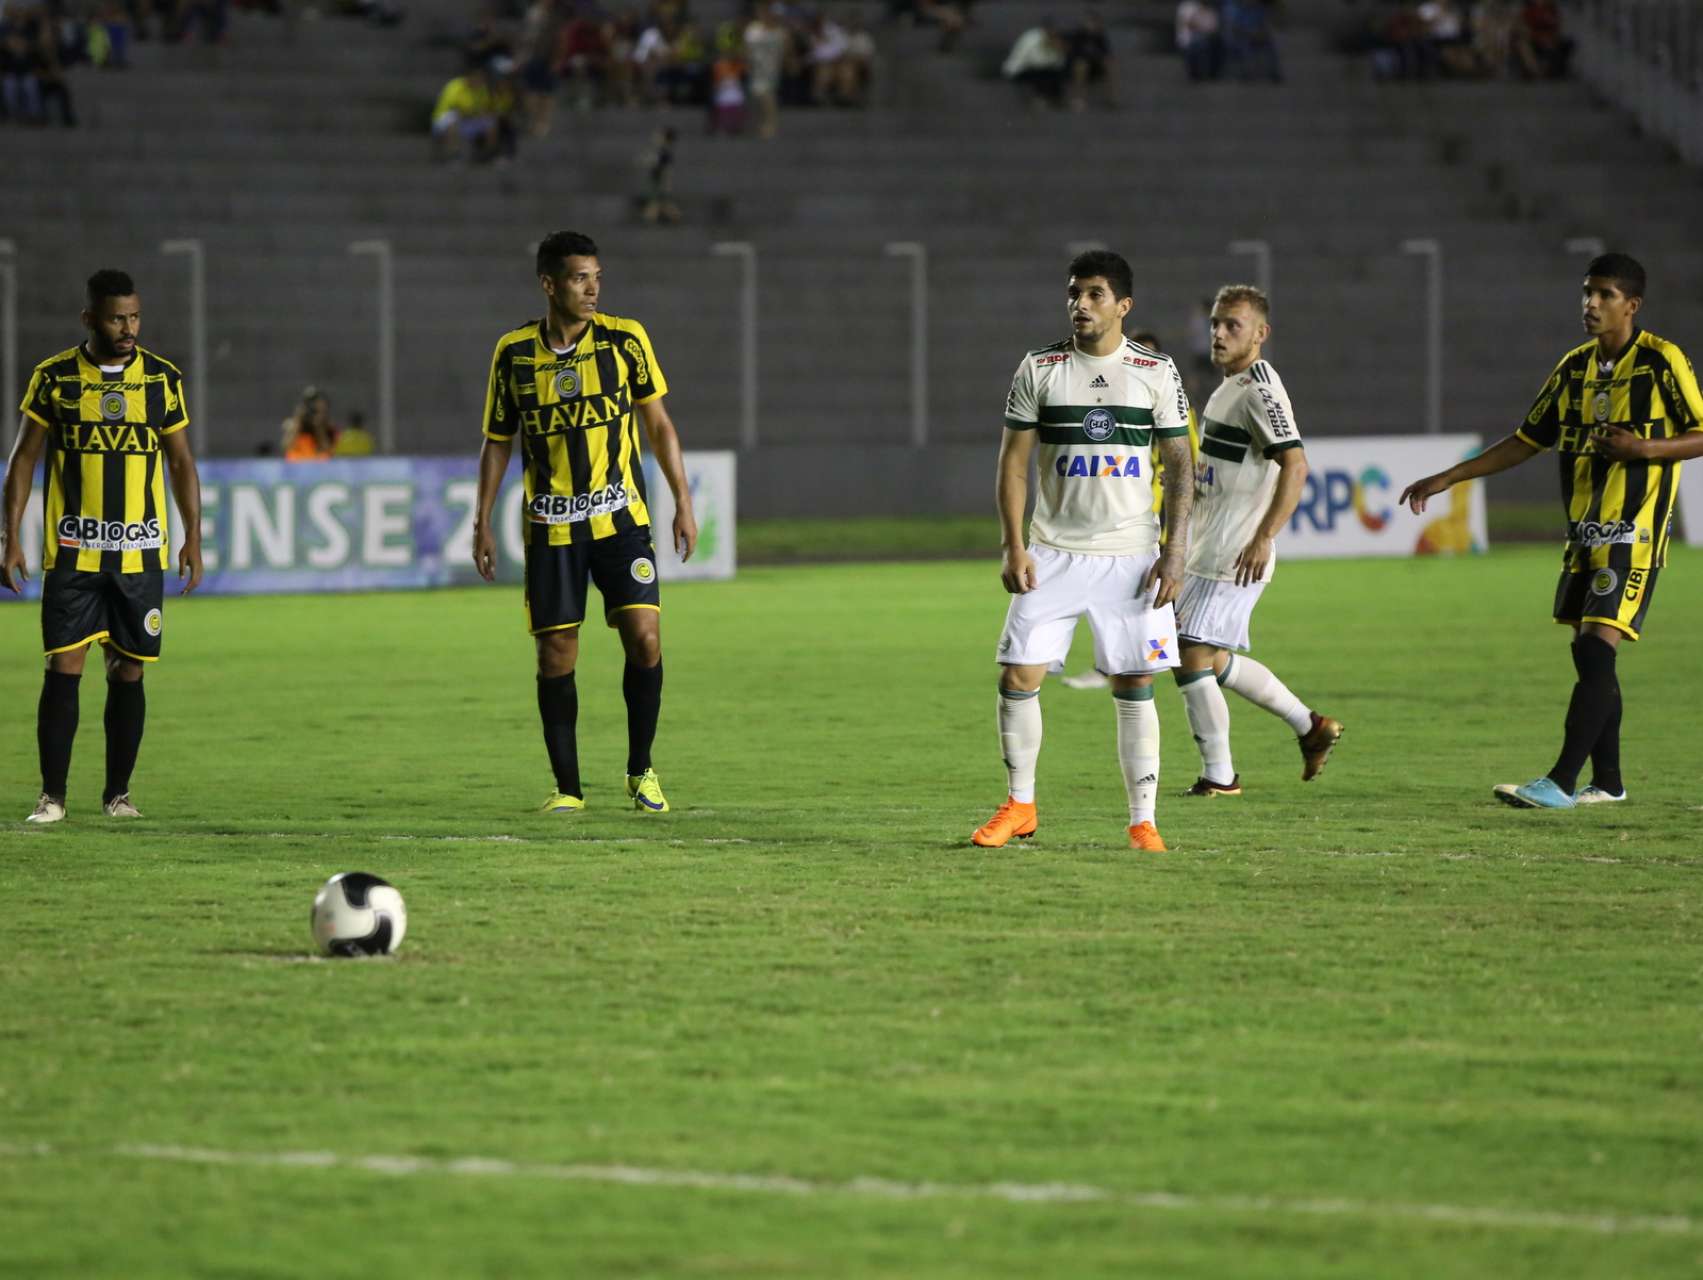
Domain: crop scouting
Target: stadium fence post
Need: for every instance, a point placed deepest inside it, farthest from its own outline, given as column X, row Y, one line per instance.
column 1432, row 252
column 917, row 252
column 746, row 252
column 200, row 403
column 380, row 249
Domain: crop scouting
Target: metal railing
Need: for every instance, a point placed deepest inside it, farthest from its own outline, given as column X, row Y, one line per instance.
column 1647, row 56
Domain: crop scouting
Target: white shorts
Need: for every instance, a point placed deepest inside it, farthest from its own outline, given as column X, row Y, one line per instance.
column 1130, row 636
column 1216, row 612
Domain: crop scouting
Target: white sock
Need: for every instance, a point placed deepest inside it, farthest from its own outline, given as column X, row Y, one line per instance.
column 1020, row 741
column 1138, row 750
column 1209, row 721
column 1256, row 683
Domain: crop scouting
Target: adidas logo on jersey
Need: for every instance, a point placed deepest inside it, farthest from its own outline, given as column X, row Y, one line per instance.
column 1099, row 381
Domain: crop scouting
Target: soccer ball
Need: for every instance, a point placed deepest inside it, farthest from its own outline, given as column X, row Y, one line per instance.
column 356, row 914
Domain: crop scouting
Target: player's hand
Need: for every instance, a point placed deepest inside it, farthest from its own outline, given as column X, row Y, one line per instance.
column 1018, row 572
column 189, row 566
column 1416, row 494
column 1164, row 579
column 1618, row 443
column 14, row 569
column 1253, row 561
column 485, row 553
column 685, row 533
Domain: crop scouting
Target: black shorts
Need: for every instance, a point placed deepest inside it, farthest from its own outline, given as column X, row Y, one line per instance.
column 623, row 566
column 1617, row 598
column 118, row 609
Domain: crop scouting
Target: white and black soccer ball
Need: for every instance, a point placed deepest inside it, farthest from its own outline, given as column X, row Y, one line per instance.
column 356, row 914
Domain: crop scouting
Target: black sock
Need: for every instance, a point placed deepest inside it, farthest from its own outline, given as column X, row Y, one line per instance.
column 1605, row 756
column 56, row 729
column 1593, row 702
column 558, row 708
column 126, row 709
column 642, row 687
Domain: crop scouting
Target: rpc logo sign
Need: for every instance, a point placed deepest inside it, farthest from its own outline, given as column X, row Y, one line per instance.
column 1331, row 492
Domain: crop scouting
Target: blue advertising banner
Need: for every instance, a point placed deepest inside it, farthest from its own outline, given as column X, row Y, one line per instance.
column 373, row 524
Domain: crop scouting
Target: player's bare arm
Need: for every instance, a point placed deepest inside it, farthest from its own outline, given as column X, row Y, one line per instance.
column 1165, row 578
column 1507, row 452
column 1011, row 495
column 1255, row 558
column 20, row 474
column 1622, row 444
column 493, row 462
column 665, row 448
column 186, row 491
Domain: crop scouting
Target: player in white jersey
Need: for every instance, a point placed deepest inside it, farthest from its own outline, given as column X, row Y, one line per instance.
column 1247, row 483
column 1086, row 410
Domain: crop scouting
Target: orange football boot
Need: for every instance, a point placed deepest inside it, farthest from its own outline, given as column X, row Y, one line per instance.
column 1145, row 836
column 1011, row 819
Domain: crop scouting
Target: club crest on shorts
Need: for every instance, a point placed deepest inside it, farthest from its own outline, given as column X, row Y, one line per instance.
column 1100, row 425
column 1604, row 582
column 152, row 621
column 112, row 406
column 643, row 570
column 567, row 383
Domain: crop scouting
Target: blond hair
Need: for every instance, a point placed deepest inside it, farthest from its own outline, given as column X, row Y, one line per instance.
column 1253, row 295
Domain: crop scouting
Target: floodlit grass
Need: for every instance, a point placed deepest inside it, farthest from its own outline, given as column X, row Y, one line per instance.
column 1372, row 1026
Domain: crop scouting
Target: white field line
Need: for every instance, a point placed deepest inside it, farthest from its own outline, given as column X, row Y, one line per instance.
column 1042, row 1193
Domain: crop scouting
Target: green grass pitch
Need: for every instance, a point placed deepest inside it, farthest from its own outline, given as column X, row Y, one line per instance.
column 1372, row 1026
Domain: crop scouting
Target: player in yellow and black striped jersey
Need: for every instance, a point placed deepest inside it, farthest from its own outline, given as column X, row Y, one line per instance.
column 575, row 386
column 110, row 418
column 1621, row 413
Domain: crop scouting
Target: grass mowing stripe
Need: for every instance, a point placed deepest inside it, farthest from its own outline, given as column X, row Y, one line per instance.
column 889, row 1189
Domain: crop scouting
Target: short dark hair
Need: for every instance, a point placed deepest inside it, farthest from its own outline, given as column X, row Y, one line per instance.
column 1147, row 338
column 1622, row 268
column 559, row 246
column 1109, row 266
column 109, row 282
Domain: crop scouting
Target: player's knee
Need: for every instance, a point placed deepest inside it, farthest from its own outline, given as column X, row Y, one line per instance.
column 1021, row 679
column 644, row 649
column 122, row 669
column 557, row 653
column 69, row 663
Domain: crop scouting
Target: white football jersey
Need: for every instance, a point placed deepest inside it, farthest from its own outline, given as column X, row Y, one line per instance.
column 1246, row 424
column 1096, row 418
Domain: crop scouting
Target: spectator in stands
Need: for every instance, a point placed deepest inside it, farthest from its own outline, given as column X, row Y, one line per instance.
column 1449, row 46
column 951, row 16
column 727, row 95
column 581, row 60
column 653, row 52
column 686, row 79
column 1250, row 49
column 858, row 66
column 765, row 56
column 464, row 120
column 537, row 66
column 109, row 37
column 1542, row 50
column 828, row 48
column 1200, row 39
column 309, row 433
column 354, row 440
column 1400, row 50
column 1088, row 60
column 207, row 16
column 20, row 79
column 1493, row 35
column 1036, row 64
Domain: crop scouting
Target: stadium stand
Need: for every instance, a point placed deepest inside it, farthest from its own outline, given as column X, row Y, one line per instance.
column 298, row 137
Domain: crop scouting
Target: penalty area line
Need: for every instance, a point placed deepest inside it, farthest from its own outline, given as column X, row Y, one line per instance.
column 1041, row 1193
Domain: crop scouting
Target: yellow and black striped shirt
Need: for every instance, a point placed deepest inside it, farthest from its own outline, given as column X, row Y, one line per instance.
column 574, row 413
column 1619, row 514
column 106, row 484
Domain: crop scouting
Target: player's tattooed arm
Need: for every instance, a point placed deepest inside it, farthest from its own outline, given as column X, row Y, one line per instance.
column 1179, row 501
